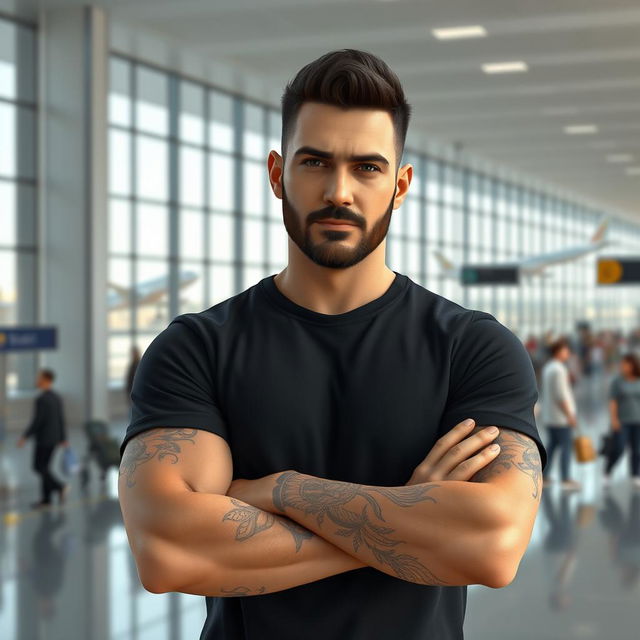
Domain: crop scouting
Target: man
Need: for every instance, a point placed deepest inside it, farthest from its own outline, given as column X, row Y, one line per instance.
column 558, row 410
column 48, row 429
column 334, row 394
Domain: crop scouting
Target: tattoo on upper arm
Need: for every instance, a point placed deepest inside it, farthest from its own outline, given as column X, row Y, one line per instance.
column 157, row 443
column 517, row 451
column 252, row 520
column 332, row 499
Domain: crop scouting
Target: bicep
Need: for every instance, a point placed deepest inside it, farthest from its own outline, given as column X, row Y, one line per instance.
column 516, row 471
column 161, row 462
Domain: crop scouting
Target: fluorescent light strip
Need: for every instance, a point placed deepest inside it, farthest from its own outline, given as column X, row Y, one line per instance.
column 619, row 158
column 580, row 129
column 633, row 171
column 458, row 33
column 505, row 67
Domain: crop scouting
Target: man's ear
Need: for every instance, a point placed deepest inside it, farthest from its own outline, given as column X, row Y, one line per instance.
column 275, row 165
column 405, row 175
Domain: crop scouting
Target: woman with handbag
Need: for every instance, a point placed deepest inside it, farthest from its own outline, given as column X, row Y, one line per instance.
column 624, row 411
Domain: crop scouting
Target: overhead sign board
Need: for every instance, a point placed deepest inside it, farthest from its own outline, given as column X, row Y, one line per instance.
column 487, row 274
column 27, row 338
column 621, row 270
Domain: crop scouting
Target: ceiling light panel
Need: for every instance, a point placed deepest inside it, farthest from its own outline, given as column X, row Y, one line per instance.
column 505, row 67
column 460, row 33
column 580, row 129
column 619, row 158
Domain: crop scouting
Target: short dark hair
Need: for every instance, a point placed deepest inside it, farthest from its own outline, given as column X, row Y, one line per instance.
column 558, row 344
column 634, row 361
column 347, row 78
column 49, row 374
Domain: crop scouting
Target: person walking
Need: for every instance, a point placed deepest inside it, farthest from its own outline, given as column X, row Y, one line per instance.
column 558, row 411
column 624, row 411
column 48, row 429
column 131, row 372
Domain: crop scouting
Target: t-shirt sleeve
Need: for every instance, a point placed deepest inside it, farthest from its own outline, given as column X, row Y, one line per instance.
column 173, row 385
column 492, row 380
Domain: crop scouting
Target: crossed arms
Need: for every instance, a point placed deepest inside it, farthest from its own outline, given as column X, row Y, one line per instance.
column 464, row 517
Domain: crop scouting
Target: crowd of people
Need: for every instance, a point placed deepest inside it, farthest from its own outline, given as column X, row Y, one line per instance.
column 560, row 362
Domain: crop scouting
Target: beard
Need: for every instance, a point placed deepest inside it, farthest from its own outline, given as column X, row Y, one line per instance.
column 336, row 249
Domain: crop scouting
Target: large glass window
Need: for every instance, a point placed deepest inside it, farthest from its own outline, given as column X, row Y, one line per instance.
column 18, row 219
column 193, row 219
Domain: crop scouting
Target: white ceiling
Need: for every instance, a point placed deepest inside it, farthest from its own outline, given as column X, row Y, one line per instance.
column 583, row 57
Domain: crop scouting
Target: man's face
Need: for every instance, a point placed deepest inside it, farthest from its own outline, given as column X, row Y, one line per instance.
column 323, row 180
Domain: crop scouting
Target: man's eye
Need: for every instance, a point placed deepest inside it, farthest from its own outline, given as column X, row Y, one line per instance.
column 308, row 160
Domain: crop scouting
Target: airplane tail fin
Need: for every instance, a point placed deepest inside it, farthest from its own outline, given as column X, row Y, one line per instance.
column 123, row 291
column 601, row 231
column 445, row 263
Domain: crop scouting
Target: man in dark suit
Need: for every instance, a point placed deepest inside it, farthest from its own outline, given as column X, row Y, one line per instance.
column 48, row 429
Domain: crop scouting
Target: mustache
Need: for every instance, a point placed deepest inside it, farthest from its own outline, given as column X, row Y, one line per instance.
column 339, row 213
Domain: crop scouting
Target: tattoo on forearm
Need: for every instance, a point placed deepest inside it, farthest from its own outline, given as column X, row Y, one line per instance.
column 252, row 520
column 161, row 443
column 241, row 591
column 516, row 451
column 328, row 498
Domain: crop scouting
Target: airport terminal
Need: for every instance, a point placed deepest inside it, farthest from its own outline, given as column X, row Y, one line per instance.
column 135, row 187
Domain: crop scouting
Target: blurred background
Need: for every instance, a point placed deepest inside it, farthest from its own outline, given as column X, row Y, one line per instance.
column 133, row 188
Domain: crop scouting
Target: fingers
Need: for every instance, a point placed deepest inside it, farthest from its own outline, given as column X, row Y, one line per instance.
column 468, row 468
column 448, row 440
column 459, row 452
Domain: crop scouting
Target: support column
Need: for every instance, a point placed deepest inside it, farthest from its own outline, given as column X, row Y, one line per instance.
column 74, row 92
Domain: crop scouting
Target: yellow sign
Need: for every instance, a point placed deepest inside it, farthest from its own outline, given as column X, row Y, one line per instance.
column 609, row 271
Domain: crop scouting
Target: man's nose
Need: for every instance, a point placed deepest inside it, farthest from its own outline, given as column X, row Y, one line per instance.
column 339, row 190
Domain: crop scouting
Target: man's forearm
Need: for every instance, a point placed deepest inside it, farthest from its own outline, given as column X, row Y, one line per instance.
column 446, row 533
column 213, row 545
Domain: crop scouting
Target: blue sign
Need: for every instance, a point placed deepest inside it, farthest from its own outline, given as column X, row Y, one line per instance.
column 27, row 338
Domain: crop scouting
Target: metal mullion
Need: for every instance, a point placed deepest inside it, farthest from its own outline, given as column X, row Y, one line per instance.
column 238, row 204
column 465, row 228
column 206, row 212
column 422, row 208
column 174, row 198
column 133, row 217
column 519, row 253
column 266, row 136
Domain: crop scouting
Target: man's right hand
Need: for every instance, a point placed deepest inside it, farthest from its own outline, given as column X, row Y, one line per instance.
column 457, row 455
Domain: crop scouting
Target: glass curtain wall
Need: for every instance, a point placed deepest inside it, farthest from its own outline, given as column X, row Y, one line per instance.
column 18, row 190
column 193, row 220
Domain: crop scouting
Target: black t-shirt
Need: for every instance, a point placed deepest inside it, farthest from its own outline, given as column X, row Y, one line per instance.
column 361, row 397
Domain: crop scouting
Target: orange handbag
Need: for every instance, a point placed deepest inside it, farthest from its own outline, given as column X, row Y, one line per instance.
column 584, row 449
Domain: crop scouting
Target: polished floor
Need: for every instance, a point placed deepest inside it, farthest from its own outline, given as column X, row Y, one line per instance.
column 67, row 573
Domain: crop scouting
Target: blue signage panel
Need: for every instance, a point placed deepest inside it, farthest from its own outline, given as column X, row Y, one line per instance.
column 27, row 338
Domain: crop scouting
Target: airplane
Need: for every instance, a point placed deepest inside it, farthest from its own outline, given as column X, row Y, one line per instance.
column 535, row 265
column 147, row 292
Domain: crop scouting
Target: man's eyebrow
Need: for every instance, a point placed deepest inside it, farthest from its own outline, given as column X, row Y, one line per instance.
column 366, row 157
